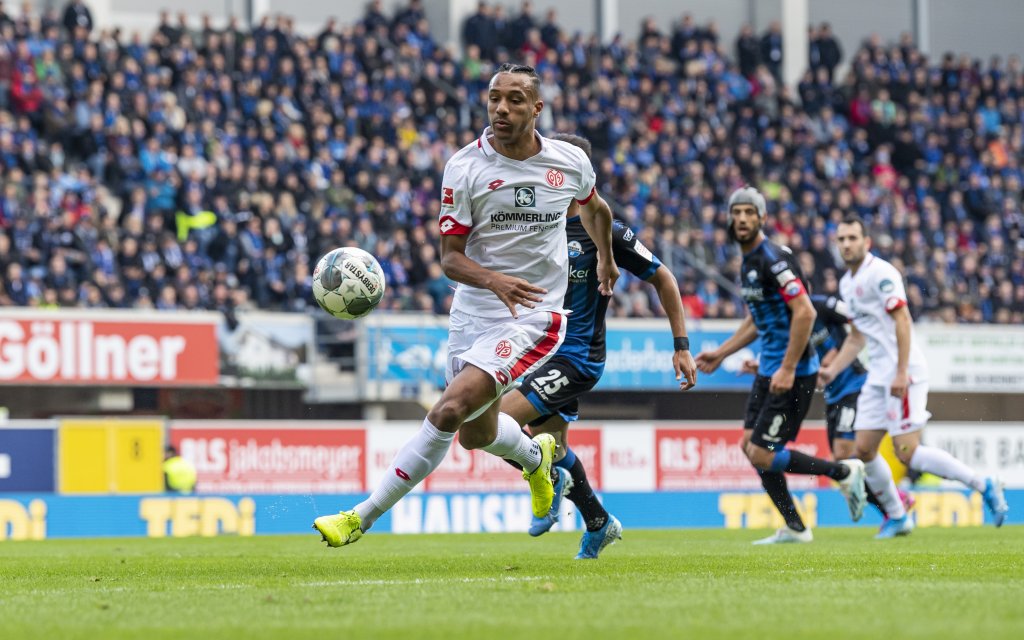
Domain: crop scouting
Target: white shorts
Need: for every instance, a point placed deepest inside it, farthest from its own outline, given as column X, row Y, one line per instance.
column 505, row 348
column 878, row 410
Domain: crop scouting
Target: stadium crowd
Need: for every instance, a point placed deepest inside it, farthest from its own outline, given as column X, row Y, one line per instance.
column 209, row 168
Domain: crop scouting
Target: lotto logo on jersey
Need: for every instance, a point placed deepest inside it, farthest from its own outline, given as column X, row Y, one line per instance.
column 555, row 178
column 450, row 226
column 447, row 197
column 525, row 197
column 503, row 349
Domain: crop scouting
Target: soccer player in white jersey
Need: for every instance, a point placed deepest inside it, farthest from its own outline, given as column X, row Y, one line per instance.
column 503, row 212
column 895, row 395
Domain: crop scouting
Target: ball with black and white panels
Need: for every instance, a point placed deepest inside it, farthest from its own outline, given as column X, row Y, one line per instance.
column 348, row 283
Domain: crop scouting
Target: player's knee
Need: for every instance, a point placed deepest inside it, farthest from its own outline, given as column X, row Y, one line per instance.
column 865, row 453
column 905, row 452
column 474, row 438
column 759, row 457
column 449, row 414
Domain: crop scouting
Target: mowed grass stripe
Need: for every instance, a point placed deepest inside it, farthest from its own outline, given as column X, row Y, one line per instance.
column 936, row 583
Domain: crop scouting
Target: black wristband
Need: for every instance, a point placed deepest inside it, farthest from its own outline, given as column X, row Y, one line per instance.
column 681, row 344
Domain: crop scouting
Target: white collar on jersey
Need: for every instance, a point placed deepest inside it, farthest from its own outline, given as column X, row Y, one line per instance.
column 485, row 145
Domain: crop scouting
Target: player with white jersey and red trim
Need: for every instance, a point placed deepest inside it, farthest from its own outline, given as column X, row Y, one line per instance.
column 504, row 200
column 894, row 398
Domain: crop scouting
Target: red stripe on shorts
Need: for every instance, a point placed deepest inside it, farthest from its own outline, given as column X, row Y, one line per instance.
column 541, row 349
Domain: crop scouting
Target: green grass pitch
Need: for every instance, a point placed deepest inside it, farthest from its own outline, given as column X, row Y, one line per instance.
column 937, row 583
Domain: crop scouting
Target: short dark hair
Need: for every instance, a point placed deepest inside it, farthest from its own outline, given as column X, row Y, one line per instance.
column 525, row 69
column 857, row 220
column 575, row 140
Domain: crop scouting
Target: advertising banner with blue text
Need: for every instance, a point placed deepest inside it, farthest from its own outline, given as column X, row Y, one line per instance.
column 404, row 351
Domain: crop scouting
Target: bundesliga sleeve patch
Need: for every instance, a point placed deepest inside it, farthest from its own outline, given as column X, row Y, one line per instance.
column 785, row 277
column 893, row 303
column 794, row 289
column 447, row 197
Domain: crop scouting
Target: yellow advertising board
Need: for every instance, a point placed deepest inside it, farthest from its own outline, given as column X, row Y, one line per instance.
column 110, row 456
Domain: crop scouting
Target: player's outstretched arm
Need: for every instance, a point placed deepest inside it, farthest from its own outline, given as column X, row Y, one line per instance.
column 668, row 292
column 709, row 361
column 596, row 217
column 801, row 322
column 901, row 316
column 851, row 348
column 460, row 268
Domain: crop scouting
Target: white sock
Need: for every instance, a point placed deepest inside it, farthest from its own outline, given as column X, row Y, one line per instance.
column 413, row 462
column 879, row 480
column 942, row 463
column 512, row 444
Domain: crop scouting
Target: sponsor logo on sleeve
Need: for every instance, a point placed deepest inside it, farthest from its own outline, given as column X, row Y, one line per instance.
column 779, row 267
column 627, row 235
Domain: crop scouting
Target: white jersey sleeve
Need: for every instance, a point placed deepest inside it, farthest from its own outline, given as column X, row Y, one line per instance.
column 588, row 180
column 456, row 216
column 891, row 291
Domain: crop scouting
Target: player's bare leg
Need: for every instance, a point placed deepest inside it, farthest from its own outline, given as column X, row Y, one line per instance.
column 939, row 462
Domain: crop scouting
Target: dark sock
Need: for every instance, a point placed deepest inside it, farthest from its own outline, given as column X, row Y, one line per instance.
column 796, row 462
column 873, row 499
column 594, row 515
column 775, row 484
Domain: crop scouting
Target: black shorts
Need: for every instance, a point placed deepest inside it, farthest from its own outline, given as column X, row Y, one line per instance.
column 555, row 388
column 775, row 418
column 840, row 416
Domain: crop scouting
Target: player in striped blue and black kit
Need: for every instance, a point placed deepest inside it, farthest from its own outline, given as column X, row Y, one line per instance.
column 782, row 315
column 548, row 399
column 841, row 394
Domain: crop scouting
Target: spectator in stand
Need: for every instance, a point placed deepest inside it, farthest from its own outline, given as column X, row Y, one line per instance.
column 748, row 51
column 481, row 31
column 77, row 18
column 771, row 50
column 829, row 52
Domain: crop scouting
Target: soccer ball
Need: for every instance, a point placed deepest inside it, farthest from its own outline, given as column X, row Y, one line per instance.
column 348, row 283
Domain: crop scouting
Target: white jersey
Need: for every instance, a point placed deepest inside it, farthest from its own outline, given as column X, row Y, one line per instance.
column 872, row 295
column 514, row 213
